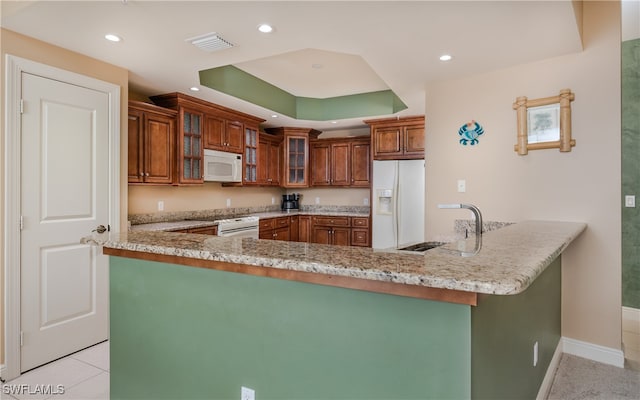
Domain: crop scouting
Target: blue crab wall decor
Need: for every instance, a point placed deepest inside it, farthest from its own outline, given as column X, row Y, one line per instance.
column 469, row 133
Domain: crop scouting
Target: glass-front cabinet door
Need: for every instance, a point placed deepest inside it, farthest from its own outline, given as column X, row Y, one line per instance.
column 191, row 147
column 295, row 171
column 297, row 161
column 250, row 155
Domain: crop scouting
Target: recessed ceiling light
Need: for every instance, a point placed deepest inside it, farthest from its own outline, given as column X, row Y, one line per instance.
column 274, row 116
column 445, row 57
column 265, row 28
column 317, row 66
column 194, row 89
column 112, row 38
column 334, row 122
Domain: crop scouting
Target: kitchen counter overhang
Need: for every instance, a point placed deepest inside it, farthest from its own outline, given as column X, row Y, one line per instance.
column 510, row 259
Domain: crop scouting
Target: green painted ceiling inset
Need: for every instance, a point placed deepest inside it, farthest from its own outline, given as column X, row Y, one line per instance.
column 237, row 83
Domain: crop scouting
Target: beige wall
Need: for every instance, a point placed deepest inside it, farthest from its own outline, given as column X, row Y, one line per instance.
column 583, row 185
column 144, row 199
column 25, row 47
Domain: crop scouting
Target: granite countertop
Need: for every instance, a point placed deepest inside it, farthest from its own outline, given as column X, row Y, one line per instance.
column 509, row 260
column 171, row 226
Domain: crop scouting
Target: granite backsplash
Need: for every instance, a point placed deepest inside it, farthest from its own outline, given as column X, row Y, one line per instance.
column 220, row 213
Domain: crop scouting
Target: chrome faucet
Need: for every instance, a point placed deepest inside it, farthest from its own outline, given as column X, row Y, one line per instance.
column 474, row 209
column 478, row 215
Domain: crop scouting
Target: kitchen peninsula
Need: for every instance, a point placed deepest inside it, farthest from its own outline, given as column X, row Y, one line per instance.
column 195, row 316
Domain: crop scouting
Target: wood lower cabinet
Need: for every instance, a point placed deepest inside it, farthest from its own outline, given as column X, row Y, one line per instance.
column 205, row 230
column 335, row 230
column 331, row 235
column 274, row 228
column 360, row 232
column 152, row 132
column 331, row 230
column 304, row 228
column 397, row 138
column 340, row 162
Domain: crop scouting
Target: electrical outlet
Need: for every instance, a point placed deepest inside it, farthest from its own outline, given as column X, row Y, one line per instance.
column 629, row 201
column 317, row 200
column 462, row 186
column 228, row 203
column 365, row 201
column 535, row 354
column 273, row 200
column 247, row 394
column 161, row 205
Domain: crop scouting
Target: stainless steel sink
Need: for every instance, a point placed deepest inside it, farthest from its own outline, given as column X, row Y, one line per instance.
column 422, row 247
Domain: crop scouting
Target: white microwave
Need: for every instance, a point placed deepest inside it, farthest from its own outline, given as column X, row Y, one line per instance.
column 221, row 166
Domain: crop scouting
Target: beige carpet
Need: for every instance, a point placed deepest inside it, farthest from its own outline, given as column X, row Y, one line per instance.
column 579, row 379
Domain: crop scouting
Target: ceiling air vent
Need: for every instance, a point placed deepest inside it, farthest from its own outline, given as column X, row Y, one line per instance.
column 210, row 42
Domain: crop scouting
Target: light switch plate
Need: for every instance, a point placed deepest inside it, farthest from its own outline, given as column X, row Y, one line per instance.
column 247, row 394
column 462, row 186
column 629, row 201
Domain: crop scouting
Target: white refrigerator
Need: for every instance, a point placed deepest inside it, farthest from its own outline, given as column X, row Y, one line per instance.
column 398, row 203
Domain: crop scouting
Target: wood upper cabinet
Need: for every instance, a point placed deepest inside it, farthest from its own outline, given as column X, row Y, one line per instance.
column 203, row 124
column 295, row 150
column 250, row 159
column 190, row 148
column 340, row 162
column 152, row 132
column 361, row 163
column 320, row 155
column 269, row 159
column 397, row 138
column 223, row 135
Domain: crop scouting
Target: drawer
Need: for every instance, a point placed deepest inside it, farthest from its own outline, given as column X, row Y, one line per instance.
column 267, row 223
column 281, row 221
column 331, row 221
column 360, row 222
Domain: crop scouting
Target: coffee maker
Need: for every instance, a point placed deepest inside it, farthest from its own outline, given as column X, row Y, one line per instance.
column 291, row 202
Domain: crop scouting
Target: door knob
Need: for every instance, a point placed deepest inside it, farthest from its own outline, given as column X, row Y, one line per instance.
column 100, row 229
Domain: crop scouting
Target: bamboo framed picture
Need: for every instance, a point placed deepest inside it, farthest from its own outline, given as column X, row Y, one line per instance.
column 544, row 123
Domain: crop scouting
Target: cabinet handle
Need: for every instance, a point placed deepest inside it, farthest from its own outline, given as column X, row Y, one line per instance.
column 141, row 173
column 147, row 174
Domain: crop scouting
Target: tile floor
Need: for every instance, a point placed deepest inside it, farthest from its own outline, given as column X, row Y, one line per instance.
column 83, row 375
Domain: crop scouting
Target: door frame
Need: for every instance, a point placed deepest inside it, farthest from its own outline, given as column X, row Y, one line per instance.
column 14, row 67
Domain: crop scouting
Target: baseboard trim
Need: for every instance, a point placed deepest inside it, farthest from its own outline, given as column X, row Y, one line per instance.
column 594, row 352
column 631, row 314
column 545, row 386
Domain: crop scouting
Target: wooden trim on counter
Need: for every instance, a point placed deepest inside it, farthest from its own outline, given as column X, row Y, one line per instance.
column 398, row 289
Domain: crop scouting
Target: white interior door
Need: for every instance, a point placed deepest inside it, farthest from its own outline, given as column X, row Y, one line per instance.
column 64, row 196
